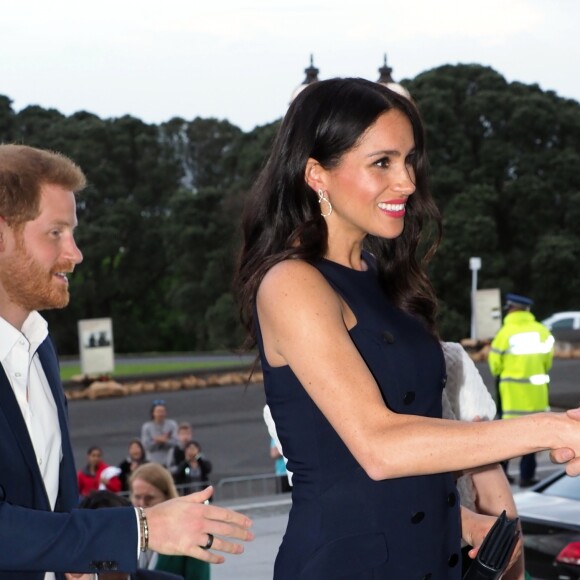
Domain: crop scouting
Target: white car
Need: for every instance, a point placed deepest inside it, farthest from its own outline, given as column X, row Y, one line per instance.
column 563, row 320
column 550, row 517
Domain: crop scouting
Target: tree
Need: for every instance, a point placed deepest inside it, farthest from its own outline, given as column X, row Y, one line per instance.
column 159, row 221
column 503, row 159
column 198, row 244
column 469, row 230
column 555, row 274
column 203, row 147
column 6, row 120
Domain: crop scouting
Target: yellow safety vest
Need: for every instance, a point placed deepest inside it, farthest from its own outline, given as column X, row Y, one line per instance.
column 521, row 356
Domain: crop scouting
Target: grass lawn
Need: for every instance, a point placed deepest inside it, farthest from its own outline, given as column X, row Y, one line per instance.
column 124, row 369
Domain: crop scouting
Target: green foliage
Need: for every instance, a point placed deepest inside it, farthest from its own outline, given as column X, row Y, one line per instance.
column 125, row 369
column 6, row 119
column 469, row 230
column 555, row 273
column 159, row 221
column 222, row 323
column 504, row 160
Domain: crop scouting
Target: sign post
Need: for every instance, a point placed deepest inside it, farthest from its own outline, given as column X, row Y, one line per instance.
column 487, row 313
column 96, row 346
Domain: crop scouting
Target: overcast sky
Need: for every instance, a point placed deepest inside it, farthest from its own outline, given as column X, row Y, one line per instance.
column 241, row 59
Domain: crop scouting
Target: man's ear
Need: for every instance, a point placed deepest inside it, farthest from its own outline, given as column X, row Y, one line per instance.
column 315, row 175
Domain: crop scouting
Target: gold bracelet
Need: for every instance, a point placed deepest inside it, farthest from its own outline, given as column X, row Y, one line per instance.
column 144, row 529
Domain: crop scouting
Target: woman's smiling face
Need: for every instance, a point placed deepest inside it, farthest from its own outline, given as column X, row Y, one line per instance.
column 372, row 182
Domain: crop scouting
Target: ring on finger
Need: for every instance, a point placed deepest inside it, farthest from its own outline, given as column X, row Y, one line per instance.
column 208, row 543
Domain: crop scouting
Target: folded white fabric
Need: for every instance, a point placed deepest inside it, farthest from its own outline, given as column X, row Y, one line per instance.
column 465, row 397
column 465, row 391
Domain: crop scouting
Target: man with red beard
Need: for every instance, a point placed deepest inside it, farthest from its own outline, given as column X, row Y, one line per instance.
column 41, row 534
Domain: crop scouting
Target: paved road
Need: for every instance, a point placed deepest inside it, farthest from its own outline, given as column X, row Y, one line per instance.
column 227, row 421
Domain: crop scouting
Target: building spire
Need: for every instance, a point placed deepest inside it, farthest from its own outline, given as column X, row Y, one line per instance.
column 311, row 72
column 311, row 77
column 385, row 72
column 387, row 80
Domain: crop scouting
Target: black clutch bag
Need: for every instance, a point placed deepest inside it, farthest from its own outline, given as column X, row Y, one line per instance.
column 495, row 551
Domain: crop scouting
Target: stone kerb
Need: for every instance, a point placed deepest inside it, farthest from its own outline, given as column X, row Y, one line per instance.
column 111, row 388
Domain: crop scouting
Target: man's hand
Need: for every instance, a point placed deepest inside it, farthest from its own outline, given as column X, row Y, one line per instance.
column 565, row 454
column 181, row 526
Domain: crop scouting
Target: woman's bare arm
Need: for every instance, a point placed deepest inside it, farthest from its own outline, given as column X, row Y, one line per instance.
column 305, row 324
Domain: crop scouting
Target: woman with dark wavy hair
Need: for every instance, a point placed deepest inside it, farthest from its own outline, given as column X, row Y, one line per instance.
column 332, row 288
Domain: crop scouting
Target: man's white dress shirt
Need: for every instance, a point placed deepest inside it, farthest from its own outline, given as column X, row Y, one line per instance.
column 19, row 358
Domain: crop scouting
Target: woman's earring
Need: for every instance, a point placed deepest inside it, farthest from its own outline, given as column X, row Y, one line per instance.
column 323, row 199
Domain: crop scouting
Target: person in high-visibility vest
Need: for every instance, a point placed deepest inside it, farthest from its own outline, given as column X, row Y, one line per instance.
column 520, row 358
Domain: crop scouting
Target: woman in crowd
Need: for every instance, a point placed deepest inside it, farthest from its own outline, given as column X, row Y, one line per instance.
column 333, row 290
column 149, row 485
column 97, row 474
column 135, row 457
column 193, row 472
column 159, row 435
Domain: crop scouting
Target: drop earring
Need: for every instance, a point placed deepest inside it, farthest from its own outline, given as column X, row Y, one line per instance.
column 323, row 199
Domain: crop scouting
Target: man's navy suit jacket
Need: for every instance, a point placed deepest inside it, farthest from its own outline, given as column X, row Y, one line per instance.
column 32, row 538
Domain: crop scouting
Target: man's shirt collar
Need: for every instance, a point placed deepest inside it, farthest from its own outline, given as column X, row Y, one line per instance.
column 34, row 330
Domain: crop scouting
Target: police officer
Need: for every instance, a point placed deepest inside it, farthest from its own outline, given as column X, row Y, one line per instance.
column 520, row 358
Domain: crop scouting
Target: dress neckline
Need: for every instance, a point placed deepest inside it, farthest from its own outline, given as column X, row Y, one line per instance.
column 365, row 257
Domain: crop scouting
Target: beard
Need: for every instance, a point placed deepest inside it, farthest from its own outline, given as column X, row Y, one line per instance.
column 31, row 286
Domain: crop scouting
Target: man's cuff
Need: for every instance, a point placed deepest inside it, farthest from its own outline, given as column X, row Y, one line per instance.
column 138, row 532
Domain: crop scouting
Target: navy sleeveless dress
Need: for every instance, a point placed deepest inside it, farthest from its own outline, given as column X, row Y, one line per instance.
column 342, row 524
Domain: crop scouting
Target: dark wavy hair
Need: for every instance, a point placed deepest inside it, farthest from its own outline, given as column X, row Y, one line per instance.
column 282, row 215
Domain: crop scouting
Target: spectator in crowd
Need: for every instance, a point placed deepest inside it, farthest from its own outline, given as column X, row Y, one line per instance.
column 177, row 454
column 192, row 473
column 108, row 499
column 159, row 435
column 136, row 456
column 93, row 476
column 150, row 485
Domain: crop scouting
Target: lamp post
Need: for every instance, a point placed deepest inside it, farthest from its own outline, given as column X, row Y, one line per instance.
column 474, row 266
